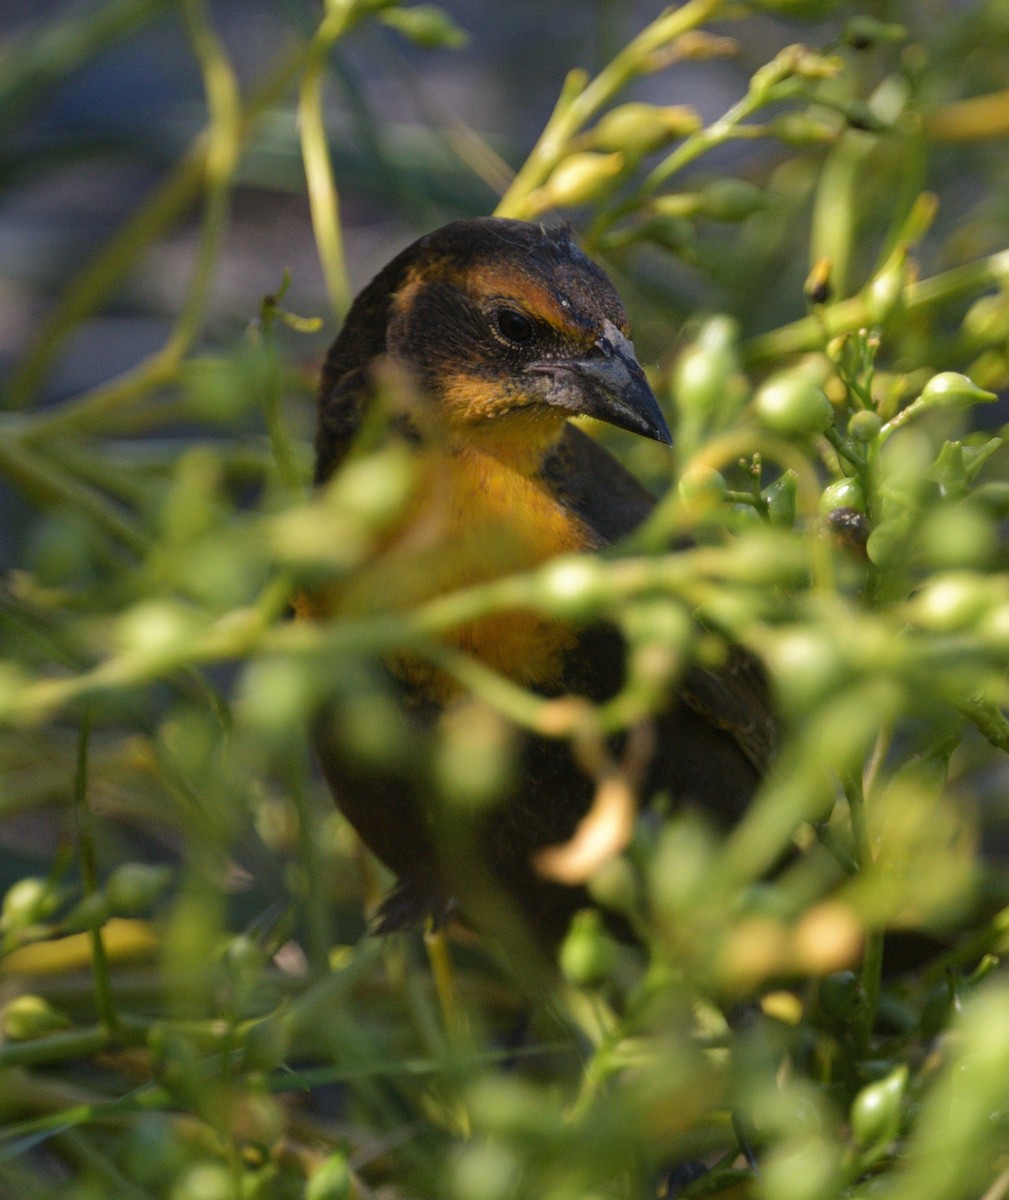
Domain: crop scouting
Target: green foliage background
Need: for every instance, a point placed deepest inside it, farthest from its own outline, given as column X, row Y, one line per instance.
column 190, row 1009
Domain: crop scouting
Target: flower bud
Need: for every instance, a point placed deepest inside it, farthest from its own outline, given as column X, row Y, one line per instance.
column 844, row 493
column 987, row 319
column 265, row 1044
column 876, row 1110
column 730, row 200
column 795, row 60
column 204, row 1181
column 580, row 178
column 864, row 425
column 332, row 1180
column 426, row 26
column 132, row 888
column 886, row 290
column 817, row 288
column 27, row 1017
column 573, row 586
column 954, row 601
column 800, row 129
column 640, row 128
column 781, row 499
column 862, row 32
column 706, row 378
column 702, row 485
column 27, row 902
column 792, row 404
column 949, row 389
column 890, row 543
column 586, row 955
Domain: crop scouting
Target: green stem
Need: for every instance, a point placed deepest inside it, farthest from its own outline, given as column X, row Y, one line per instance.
column 580, row 101
column 316, row 904
column 89, row 289
column 872, row 959
column 323, row 196
column 846, row 316
column 89, row 874
column 47, row 485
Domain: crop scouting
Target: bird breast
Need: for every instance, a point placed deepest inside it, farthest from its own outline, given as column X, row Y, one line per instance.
column 476, row 518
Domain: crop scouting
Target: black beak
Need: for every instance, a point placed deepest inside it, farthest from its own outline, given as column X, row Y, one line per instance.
column 607, row 384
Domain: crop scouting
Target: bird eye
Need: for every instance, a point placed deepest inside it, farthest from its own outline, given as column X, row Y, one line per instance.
column 513, row 326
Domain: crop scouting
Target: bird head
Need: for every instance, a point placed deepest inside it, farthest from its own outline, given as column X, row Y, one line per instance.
column 505, row 326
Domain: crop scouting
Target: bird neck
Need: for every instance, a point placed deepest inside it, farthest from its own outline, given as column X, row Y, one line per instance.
column 517, row 441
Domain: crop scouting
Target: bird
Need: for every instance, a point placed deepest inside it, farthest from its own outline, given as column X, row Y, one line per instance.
column 498, row 332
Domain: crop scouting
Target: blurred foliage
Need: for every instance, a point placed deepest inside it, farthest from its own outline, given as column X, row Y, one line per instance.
column 189, row 1009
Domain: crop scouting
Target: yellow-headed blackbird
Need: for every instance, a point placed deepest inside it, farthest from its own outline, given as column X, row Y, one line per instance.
column 503, row 331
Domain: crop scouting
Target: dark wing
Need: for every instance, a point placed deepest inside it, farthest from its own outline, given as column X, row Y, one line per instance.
column 733, row 698
column 593, row 484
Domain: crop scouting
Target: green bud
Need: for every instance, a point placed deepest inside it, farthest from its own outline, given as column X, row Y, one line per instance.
column 801, row 1167
column 886, row 290
column 673, row 233
column 27, row 902
column 991, row 370
column 800, row 129
column 332, row 1180
column 876, row 1110
column 615, row 886
column 792, row 404
column 374, row 489
column 266, row 1044
column 864, row 425
column 862, row 32
column 987, row 320
column 706, row 374
column 702, row 485
column 781, row 499
column 807, row 666
column 204, row 1181
column 28, row 1017
column 993, row 630
column 723, row 200
column 796, row 60
column 954, row 601
column 426, row 26
column 473, row 756
column 952, row 390
column 573, row 586
column 88, row 913
column 484, row 1169
column 153, row 1150
column 890, row 544
column 275, row 697
column 514, row 1109
column 580, row 178
column 132, row 888
column 640, row 128
column 742, row 518
column 155, row 628
column 587, row 955
column 730, row 200
column 843, row 493
column 959, row 535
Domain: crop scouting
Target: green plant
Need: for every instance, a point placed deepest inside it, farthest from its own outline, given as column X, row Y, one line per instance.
column 844, row 511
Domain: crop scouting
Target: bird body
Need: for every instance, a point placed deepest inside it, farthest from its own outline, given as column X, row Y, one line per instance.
column 497, row 332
